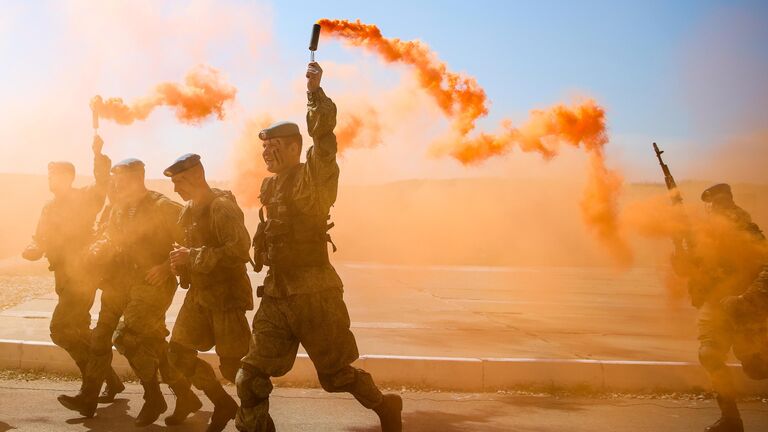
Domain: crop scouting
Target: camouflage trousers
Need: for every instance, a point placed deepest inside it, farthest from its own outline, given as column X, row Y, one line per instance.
column 199, row 328
column 320, row 323
column 717, row 336
column 140, row 336
column 71, row 320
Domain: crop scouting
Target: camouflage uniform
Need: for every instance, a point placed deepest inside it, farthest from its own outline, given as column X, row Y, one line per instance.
column 213, row 313
column 64, row 231
column 136, row 238
column 717, row 334
column 302, row 294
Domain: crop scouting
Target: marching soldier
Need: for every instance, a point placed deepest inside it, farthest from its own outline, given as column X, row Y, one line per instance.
column 211, row 263
column 302, row 298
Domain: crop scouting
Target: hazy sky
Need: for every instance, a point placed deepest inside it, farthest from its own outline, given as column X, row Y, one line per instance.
column 691, row 75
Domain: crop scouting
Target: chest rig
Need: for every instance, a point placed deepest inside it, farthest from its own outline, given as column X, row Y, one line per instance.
column 287, row 237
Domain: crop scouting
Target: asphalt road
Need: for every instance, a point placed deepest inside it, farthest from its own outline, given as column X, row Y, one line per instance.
column 32, row 406
column 474, row 312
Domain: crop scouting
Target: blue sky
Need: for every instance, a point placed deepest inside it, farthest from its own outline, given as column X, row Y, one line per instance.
column 688, row 74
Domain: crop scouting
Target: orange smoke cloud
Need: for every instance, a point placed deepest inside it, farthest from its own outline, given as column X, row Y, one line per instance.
column 463, row 102
column 249, row 167
column 458, row 96
column 359, row 128
column 203, row 93
column 725, row 257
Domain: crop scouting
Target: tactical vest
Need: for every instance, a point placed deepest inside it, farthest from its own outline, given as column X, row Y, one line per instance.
column 140, row 240
column 198, row 232
column 288, row 237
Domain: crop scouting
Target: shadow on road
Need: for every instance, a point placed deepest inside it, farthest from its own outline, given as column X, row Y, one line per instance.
column 491, row 416
column 5, row 427
column 115, row 418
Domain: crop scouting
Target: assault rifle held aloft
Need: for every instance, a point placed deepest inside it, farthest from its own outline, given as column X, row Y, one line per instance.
column 683, row 243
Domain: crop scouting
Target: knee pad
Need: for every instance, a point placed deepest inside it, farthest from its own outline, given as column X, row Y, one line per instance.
column 253, row 386
column 340, row 381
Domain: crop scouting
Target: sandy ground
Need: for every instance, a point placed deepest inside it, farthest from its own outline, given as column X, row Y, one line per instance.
column 21, row 281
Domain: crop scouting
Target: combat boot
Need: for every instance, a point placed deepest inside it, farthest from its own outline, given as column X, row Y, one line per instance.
column 726, row 424
column 114, row 386
column 389, row 412
column 85, row 402
column 154, row 404
column 187, row 402
column 85, row 406
column 730, row 420
column 224, row 408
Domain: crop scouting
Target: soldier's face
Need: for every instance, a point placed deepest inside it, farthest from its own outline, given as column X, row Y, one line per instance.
column 280, row 154
column 59, row 182
column 127, row 183
column 182, row 185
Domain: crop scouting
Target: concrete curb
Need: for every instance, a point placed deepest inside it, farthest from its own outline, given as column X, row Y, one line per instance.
column 448, row 373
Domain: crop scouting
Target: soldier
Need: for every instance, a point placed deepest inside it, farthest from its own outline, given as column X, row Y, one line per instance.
column 717, row 335
column 63, row 234
column 302, row 297
column 753, row 303
column 211, row 263
column 140, row 232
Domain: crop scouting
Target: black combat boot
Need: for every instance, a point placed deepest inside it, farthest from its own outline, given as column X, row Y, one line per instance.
column 154, row 404
column 86, row 407
column 726, row 424
column 730, row 421
column 389, row 412
column 85, row 402
column 224, row 408
column 187, row 402
column 114, row 386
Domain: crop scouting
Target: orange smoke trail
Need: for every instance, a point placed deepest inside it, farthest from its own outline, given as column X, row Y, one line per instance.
column 463, row 101
column 459, row 96
column 358, row 129
column 248, row 163
column 203, row 93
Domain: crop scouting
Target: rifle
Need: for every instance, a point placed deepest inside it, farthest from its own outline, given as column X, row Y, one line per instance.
column 683, row 259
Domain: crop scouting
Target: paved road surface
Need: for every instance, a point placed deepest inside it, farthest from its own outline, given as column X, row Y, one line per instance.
column 31, row 406
column 480, row 312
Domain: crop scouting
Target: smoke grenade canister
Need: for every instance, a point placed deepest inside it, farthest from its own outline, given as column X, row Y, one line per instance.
column 314, row 41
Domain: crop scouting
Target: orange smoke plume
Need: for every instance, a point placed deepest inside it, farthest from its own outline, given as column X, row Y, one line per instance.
column 203, row 93
column 458, row 96
column 249, row 167
column 360, row 128
column 463, row 101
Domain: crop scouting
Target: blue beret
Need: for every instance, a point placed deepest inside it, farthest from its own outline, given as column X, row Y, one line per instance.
column 718, row 190
column 61, row 167
column 280, row 129
column 128, row 165
column 182, row 164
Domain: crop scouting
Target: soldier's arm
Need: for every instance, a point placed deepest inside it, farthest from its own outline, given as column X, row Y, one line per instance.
column 36, row 248
column 97, row 192
column 229, row 226
column 321, row 167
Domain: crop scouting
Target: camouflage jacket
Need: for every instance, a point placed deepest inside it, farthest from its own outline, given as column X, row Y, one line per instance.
column 219, row 244
column 736, row 257
column 65, row 227
column 314, row 187
column 137, row 236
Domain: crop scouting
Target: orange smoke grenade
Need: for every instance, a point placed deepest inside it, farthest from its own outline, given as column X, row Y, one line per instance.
column 313, row 41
